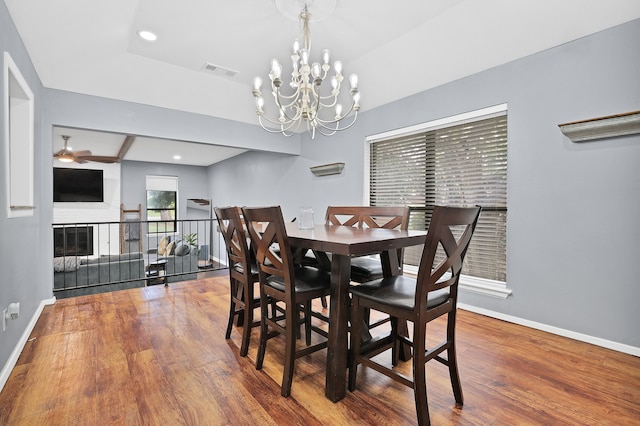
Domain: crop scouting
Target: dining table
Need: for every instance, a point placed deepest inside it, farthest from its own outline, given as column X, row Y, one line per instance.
column 343, row 243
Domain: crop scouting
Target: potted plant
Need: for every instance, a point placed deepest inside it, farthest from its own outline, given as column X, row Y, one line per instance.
column 191, row 239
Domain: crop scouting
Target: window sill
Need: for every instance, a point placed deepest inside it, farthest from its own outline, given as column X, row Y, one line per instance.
column 162, row 234
column 474, row 284
column 486, row 287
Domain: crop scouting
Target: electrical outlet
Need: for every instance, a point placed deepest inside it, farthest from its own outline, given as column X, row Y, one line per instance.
column 14, row 310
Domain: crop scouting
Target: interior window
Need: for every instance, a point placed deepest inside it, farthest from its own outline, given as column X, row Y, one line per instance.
column 162, row 204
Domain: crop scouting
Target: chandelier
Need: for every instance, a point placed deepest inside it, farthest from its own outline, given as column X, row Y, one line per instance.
column 308, row 100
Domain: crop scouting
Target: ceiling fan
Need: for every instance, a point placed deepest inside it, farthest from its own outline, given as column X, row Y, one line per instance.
column 66, row 155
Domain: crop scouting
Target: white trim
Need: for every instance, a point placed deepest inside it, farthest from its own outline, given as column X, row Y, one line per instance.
column 472, row 284
column 13, row 358
column 484, row 286
column 161, row 235
column 17, row 116
column 367, row 173
column 492, row 111
column 616, row 346
column 220, row 261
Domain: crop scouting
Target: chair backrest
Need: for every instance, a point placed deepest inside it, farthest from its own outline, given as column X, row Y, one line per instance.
column 451, row 228
column 232, row 229
column 270, row 244
column 368, row 216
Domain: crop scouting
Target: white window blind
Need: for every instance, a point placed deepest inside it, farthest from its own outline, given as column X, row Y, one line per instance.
column 162, row 183
column 456, row 165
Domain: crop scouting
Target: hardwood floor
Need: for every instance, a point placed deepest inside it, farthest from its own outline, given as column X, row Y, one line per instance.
column 157, row 355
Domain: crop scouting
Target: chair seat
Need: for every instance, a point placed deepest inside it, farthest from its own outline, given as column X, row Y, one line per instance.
column 398, row 291
column 366, row 266
column 238, row 267
column 308, row 279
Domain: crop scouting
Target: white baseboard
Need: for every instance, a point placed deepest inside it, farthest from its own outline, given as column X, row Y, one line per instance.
column 13, row 358
column 620, row 347
column 220, row 261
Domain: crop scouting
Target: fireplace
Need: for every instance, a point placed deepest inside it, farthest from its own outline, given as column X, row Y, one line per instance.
column 73, row 241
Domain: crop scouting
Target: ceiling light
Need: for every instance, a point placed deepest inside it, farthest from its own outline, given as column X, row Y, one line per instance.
column 307, row 99
column 176, row 157
column 65, row 158
column 147, row 35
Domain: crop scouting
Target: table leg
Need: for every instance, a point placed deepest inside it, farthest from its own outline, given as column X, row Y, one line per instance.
column 337, row 347
column 390, row 267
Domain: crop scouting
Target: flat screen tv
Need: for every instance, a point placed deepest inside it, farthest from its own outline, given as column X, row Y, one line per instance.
column 77, row 185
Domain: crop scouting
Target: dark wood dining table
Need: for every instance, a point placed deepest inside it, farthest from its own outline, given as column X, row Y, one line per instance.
column 344, row 242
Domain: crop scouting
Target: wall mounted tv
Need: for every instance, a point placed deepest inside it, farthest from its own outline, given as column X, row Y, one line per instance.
column 77, row 185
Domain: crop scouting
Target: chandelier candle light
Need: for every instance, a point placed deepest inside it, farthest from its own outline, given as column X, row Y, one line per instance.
column 310, row 101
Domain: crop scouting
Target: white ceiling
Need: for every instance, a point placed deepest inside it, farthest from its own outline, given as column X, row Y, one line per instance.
column 397, row 48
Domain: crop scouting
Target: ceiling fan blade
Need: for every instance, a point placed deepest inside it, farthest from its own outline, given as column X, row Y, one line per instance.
column 98, row 158
column 84, row 153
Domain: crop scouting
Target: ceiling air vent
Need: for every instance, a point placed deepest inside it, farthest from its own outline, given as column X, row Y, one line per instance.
column 218, row 70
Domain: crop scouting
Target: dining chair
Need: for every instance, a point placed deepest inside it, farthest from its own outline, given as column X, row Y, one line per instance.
column 243, row 273
column 367, row 268
column 281, row 280
column 431, row 295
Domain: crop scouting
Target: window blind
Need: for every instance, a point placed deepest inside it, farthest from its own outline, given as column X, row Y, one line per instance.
column 457, row 165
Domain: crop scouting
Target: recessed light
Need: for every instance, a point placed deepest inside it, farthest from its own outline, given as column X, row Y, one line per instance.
column 147, row 35
column 176, row 157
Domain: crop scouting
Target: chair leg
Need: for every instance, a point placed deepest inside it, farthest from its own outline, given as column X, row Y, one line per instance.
column 264, row 330
column 299, row 321
column 357, row 314
column 323, row 300
column 240, row 296
column 419, row 373
column 307, row 323
column 248, row 321
column 232, row 307
column 453, row 360
column 395, row 343
column 455, row 377
column 290, row 349
column 274, row 310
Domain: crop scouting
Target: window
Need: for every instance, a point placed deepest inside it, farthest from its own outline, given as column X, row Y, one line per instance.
column 460, row 161
column 162, row 195
column 18, row 136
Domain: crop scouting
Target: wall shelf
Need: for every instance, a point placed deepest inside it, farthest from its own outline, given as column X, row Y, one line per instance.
column 603, row 127
column 327, row 169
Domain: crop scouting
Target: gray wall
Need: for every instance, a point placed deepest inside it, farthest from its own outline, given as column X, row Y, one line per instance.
column 192, row 182
column 24, row 261
column 573, row 232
